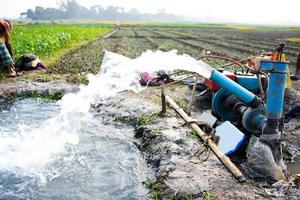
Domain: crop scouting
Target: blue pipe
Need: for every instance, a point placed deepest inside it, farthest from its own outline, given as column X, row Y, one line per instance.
column 234, row 88
column 275, row 91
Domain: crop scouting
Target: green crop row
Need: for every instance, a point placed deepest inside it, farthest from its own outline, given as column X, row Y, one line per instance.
column 124, row 32
column 45, row 41
column 135, row 47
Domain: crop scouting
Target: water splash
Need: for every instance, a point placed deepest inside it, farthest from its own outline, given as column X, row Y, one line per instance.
column 119, row 73
column 29, row 149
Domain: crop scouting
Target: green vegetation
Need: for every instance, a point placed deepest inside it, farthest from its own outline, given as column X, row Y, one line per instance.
column 180, row 103
column 296, row 28
column 54, row 42
column 154, row 192
column 137, row 121
column 207, row 196
column 47, row 97
column 45, row 41
column 193, row 135
column 144, row 119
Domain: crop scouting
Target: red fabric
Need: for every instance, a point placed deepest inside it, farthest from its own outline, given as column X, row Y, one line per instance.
column 147, row 79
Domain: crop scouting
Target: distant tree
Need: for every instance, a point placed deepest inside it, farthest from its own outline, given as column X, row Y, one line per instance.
column 40, row 13
column 29, row 14
column 70, row 9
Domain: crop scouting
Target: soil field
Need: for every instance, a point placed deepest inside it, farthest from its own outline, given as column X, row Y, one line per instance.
column 234, row 43
column 134, row 40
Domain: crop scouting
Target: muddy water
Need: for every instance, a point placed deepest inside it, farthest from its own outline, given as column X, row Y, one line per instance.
column 104, row 164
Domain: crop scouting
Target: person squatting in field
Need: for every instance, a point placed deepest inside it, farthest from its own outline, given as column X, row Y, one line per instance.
column 6, row 55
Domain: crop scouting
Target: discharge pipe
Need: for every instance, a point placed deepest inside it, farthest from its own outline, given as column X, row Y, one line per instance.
column 267, row 121
column 240, row 92
column 275, row 96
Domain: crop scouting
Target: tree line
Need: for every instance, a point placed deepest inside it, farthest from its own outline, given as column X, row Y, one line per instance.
column 71, row 10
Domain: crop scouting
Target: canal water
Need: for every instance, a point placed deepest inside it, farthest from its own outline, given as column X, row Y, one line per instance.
column 99, row 162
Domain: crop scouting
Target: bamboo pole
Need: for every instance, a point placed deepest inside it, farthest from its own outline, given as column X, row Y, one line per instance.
column 193, row 94
column 179, row 80
column 163, row 100
column 224, row 159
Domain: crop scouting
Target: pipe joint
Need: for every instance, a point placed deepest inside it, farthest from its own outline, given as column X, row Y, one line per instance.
column 270, row 130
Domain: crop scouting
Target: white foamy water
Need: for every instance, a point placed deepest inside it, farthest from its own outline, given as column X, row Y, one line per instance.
column 119, row 73
column 29, row 149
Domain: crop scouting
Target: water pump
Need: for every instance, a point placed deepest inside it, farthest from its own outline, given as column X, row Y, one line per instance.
column 236, row 103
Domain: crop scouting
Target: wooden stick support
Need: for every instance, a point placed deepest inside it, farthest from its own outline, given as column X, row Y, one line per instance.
column 163, row 100
column 220, row 155
column 193, row 94
column 177, row 81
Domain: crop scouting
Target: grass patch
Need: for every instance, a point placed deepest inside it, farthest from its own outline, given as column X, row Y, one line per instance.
column 207, row 196
column 293, row 39
column 180, row 103
column 156, row 100
column 137, row 121
column 155, row 192
column 45, row 77
column 144, row 119
column 296, row 28
column 34, row 94
column 193, row 135
column 182, row 196
column 245, row 28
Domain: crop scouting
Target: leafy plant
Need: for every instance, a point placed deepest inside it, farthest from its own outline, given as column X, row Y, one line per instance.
column 207, row 196
column 144, row 119
column 46, row 40
column 193, row 135
column 154, row 193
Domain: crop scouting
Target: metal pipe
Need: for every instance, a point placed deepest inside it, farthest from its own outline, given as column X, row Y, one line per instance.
column 233, row 62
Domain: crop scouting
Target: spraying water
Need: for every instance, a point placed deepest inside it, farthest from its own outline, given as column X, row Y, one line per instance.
column 119, row 73
column 26, row 150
